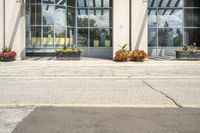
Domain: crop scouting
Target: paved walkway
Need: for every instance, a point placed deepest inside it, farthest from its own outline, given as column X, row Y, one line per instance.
column 26, row 85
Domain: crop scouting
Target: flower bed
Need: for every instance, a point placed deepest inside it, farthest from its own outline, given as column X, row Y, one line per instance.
column 7, row 55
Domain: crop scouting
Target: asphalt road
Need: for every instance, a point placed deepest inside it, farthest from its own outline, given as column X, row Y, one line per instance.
column 110, row 120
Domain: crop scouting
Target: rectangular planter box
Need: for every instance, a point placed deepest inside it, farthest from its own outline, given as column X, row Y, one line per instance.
column 68, row 55
column 7, row 59
column 185, row 55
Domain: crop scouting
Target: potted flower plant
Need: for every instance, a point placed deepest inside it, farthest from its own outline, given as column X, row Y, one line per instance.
column 122, row 54
column 68, row 53
column 138, row 55
column 7, row 54
column 188, row 52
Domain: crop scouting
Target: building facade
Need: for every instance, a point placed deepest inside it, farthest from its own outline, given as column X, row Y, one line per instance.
column 98, row 27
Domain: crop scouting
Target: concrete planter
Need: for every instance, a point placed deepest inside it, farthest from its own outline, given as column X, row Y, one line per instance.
column 68, row 55
column 187, row 55
column 7, row 59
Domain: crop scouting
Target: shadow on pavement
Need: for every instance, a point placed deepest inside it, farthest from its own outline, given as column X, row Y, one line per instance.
column 111, row 120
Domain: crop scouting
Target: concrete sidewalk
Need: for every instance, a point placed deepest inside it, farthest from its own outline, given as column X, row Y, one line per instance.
column 100, row 83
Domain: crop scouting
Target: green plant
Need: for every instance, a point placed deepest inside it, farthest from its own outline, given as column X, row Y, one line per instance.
column 69, row 48
column 6, row 49
column 191, row 48
column 122, row 54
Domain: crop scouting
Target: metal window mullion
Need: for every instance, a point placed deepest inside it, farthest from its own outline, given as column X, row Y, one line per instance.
column 41, row 41
column 157, row 29
column 88, row 8
column 183, row 22
column 76, row 24
column 54, row 12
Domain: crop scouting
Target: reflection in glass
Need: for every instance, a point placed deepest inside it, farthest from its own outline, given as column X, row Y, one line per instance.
column 71, row 3
column 82, row 3
column 152, row 20
column 28, row 37
column 33, row 1
column 83, row 37
column 151, row 3
column 100, row 37
column 170, row 18
column 60, row 36
column 82, row 18
column 170, row 37
column 70, row 16
column 192, row 3
column 61, row 2
column 36, row 36
column 192, row 35
column 36, row 15
column 60, row 19
column 170, row 3
column 70, row 40
column 48, row 14
column 192, row 17
column 152, row 37
column 48, row 1
column 100, row 3
column 100, row 18
column 48, row 36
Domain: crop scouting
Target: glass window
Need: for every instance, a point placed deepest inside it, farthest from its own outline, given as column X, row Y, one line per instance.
column 170, row 18
column 36, row 15
column 192, row 17
column 100, row 38
column 170, row 37
column 100, row 18
column 70, row 16
column 152, row 37
column 33, row 1
column 192, row 3
column 60, row 18
column 36, row 36
column 83, row 37
column 71, row 3
column 151, row 3
column 82, row 18
column 48, row 1
column 48, row 14
column 48, row 36
column 192, row 35
column 82, row 3
column 60, row 34
column 61, row 2
column 70, row 40
column 170, row 3
column 152, row 21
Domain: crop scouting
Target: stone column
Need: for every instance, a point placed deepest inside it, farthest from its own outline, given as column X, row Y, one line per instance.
column 15, row 26
column 139, row 25
column 120, row 24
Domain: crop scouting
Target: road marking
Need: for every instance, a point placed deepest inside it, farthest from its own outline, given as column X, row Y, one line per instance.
column 96, row 105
